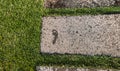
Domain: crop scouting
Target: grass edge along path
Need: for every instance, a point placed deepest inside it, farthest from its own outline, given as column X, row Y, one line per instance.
column 81, row 11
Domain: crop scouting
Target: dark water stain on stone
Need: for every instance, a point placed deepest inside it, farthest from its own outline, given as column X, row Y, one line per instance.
column 72, row 69
column 117, row 3
column 59, row 4
column 61, row 69
column 92, row 70
column 55, row 4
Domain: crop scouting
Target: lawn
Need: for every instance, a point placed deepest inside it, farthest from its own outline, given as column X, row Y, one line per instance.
column 20, row 24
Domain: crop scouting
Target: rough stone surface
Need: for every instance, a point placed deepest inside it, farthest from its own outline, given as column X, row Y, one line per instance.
column 80, row 3
column 89, row 35
column 43, row 68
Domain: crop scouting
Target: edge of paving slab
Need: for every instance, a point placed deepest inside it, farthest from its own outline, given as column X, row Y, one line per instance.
column 70, row 53
column 53, row 68
column 80, row 3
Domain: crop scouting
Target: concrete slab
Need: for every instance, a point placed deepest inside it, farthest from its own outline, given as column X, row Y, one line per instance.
column 45, row 68
column 80, row 3
column 89, row 35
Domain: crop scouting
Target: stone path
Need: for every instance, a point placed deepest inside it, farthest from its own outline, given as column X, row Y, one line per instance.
column 80, row 3
column 89, row 35
column 44, row 68
column 86, row 35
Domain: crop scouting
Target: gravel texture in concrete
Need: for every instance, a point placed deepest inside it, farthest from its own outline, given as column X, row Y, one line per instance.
column 80, row 3
column 43, row 68
column 89, row 35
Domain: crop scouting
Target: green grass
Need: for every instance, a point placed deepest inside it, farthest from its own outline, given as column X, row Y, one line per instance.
column 81, row 11
column 20, row 24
